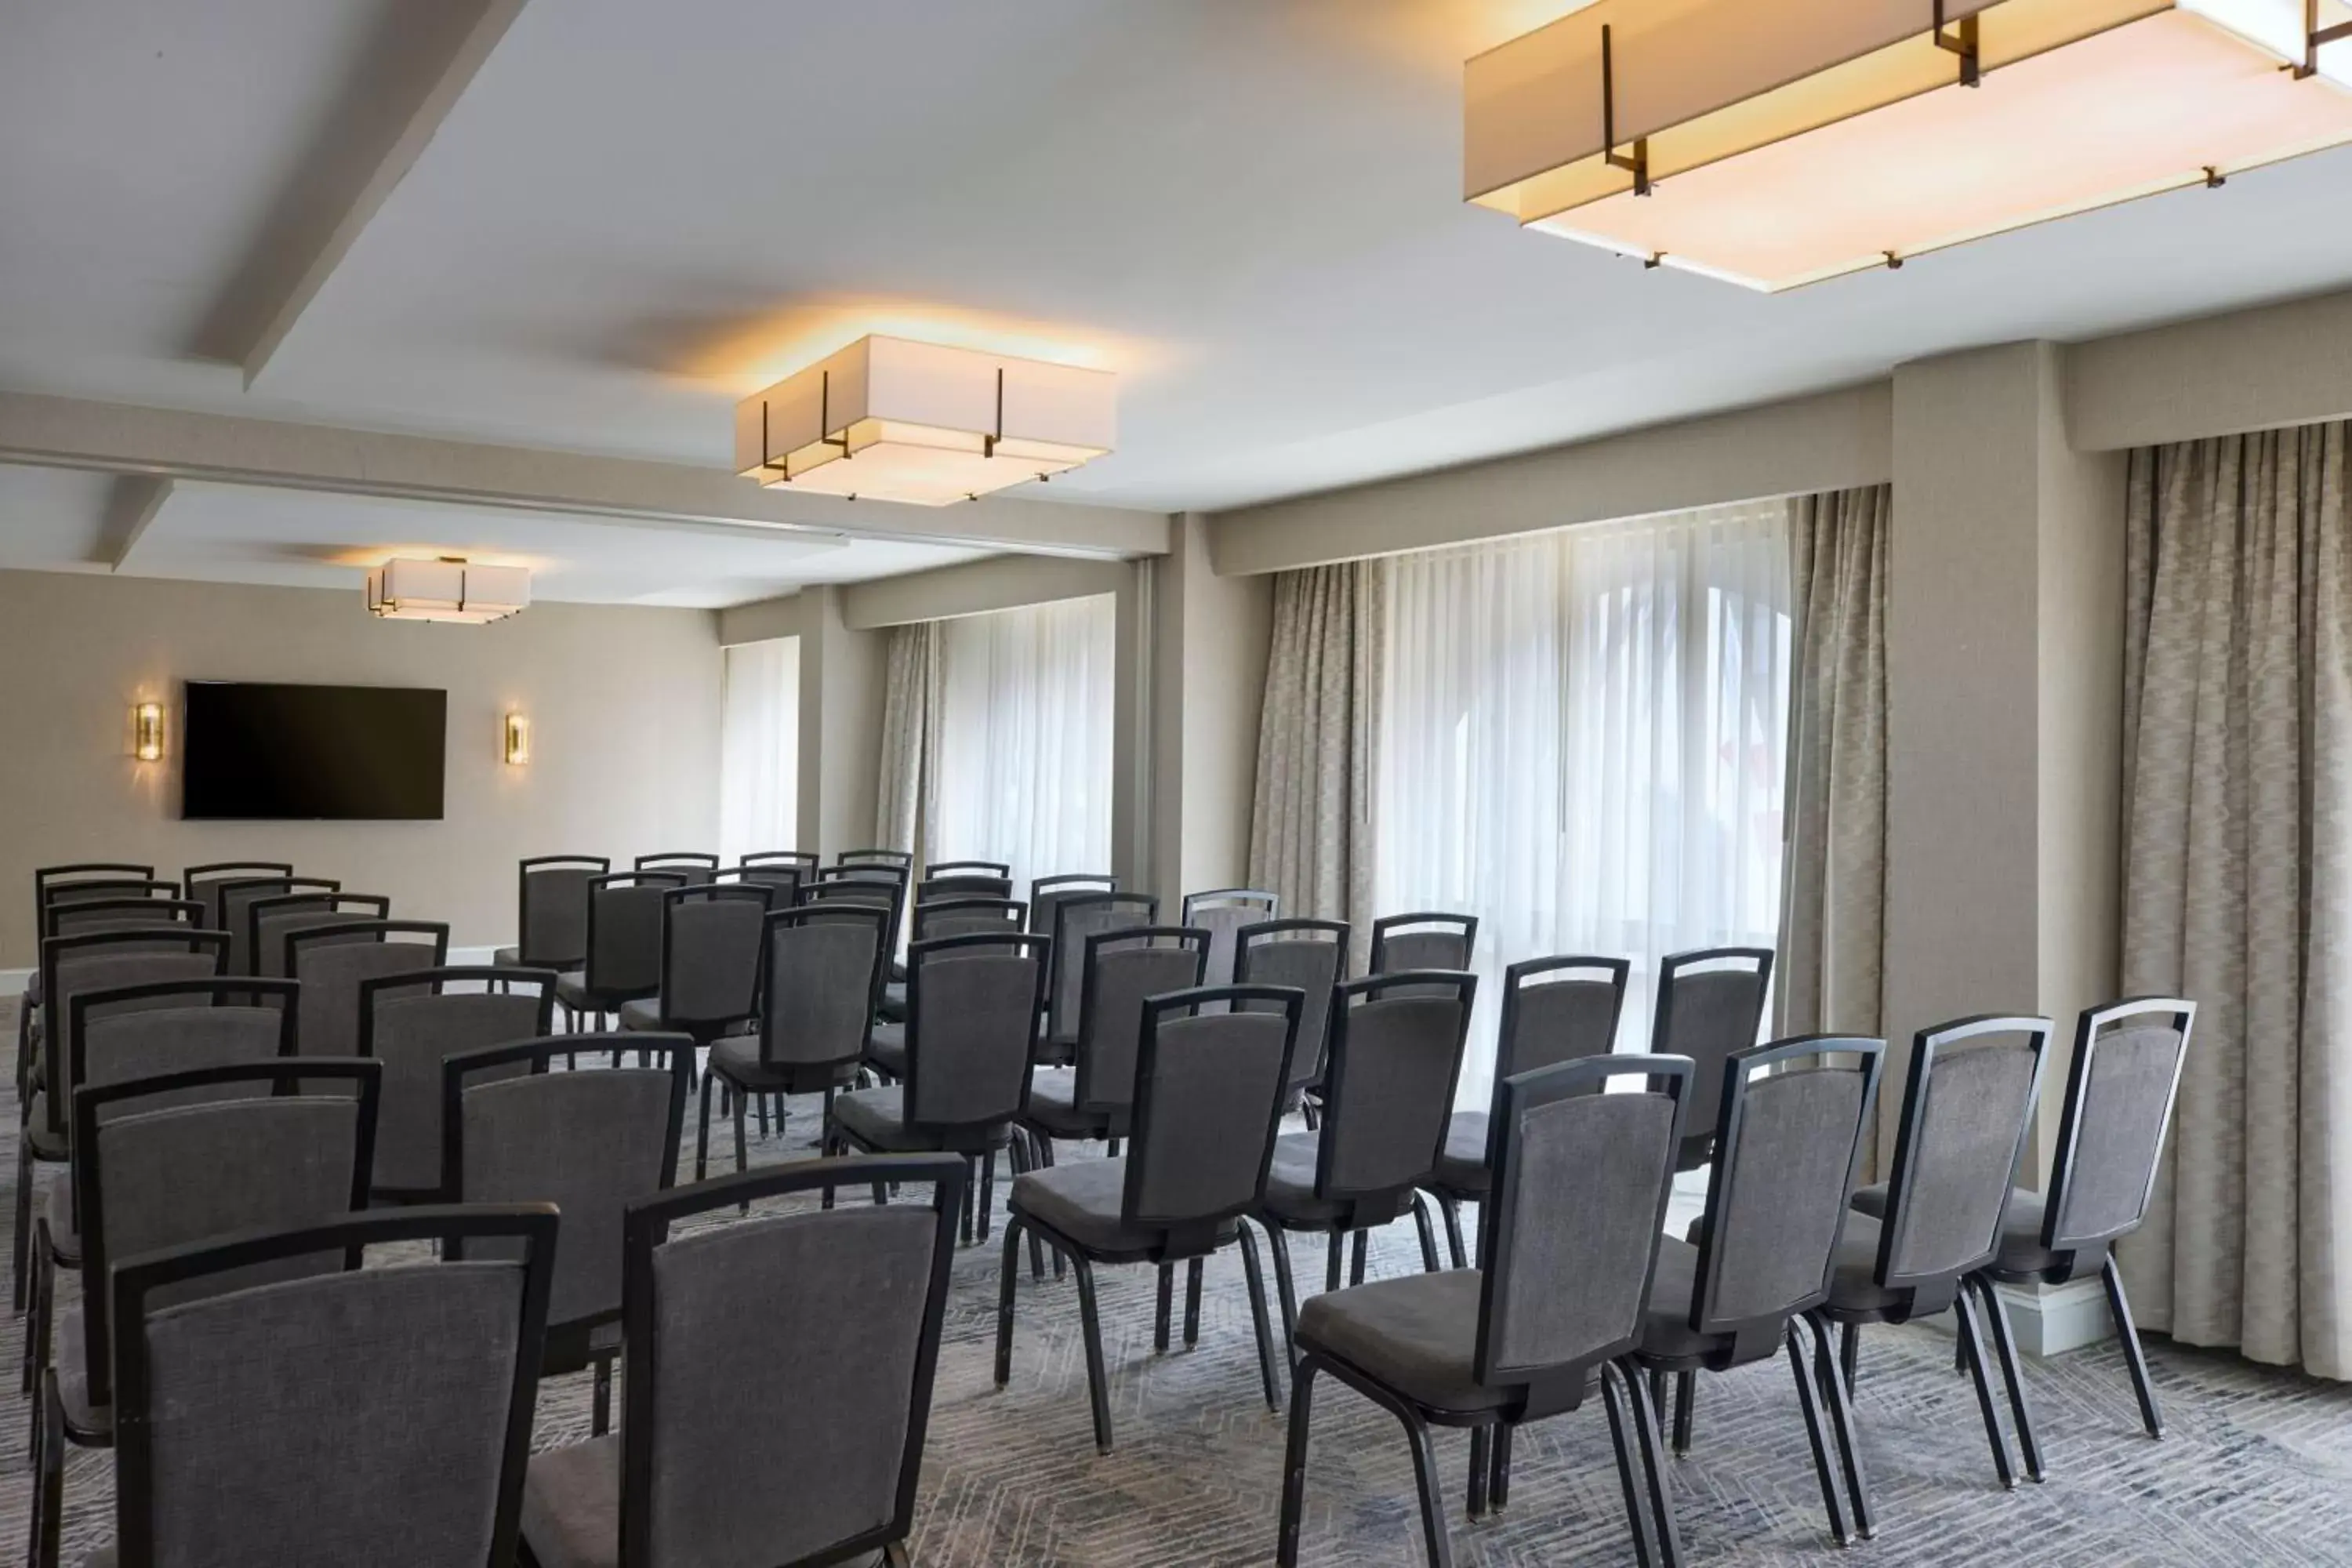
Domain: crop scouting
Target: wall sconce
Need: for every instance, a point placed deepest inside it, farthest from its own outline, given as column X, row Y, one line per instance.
column 518, row 740
column 147, row 732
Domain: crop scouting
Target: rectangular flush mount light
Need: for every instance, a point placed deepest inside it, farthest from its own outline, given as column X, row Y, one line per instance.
column 447, row 590
column 1778, row 142
column 896, row 420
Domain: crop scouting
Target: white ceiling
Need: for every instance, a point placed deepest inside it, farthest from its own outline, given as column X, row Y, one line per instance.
column 637, row 213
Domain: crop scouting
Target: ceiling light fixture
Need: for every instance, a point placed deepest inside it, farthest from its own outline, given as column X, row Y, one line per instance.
column 1778, row 142
column 892, row 419
column 449, row 589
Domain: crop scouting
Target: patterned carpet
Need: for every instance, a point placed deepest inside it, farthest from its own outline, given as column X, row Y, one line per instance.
column 2256, row 1468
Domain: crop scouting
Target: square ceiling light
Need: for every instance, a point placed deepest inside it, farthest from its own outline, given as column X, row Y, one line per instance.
column 448, row 589
column 893, row 419
column 1777, row 142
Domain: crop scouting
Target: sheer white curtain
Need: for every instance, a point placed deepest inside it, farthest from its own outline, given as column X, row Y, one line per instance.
column 1026, row 739
column 1583, row 744
column 759, row 749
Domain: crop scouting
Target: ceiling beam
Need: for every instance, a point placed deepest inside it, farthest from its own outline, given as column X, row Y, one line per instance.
column 222, row 449
column 131, row 505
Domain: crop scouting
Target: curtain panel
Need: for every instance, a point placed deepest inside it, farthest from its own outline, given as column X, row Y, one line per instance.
column 2238, row 883
column 759, row 748
column 906, row 815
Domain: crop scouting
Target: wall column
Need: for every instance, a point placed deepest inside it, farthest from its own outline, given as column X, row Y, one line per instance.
column 1209, row 636
column 841, row 726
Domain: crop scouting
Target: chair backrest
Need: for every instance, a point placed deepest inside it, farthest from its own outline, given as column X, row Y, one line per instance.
column 238, row 896
column 1224, row 913
column 110, row 961
column 1046, row 894
column 624, row 933
column 1077, row 917
column 972, row 1022
column 269, row 921
column 898, row 858
column 1559, row 1009
column 1309, row 955
column 1968, row 1105
column 1582, row 1178
column 175, row 1026
column 1388, row 1092
column 287, row 1146
column 805, row 859
column 820, row 975
column 589, row 1142
column 693, row 866
column 1710, row 1004
column 2119, row 1096
column 203, row 883
column 1794, row 1116
column 828, row 1381
column 143, row 911
column 781, row 880
column 711, row 952
column 374, row 1416
column 331, row 962
column 552, row 909
column 1422, row 940
column 88, row 878
column 1121, row 968
column 412, row 1023
column 961, row 885
column 937, row 868
column 1212, row 1066
column 967, row 917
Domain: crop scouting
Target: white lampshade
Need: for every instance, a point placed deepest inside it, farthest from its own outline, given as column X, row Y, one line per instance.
column 1778, row 142
column 447, row 590
column 896, row 420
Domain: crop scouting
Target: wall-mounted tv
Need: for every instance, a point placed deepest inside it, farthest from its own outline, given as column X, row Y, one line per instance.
column 313, row 753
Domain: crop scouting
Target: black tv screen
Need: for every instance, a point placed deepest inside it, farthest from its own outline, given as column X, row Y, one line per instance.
column 339, row 752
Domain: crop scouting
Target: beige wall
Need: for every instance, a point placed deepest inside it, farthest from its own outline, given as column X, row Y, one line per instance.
column 1209, row 684
column 624, row 704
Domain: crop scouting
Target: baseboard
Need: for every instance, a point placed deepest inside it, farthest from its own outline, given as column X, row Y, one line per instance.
column 2051, row 1320
column 14, row 981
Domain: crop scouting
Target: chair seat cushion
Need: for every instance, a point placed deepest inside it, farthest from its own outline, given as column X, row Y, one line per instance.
column 507, row 958
column 1082, row 1201
column 57, row 1207
column 572, row 990
column 886, row 1047
column 1416, row 1333
column 1290, row 1183
column 877, row 1119
column 644, row 1014
column 1854, row 1282
column 2022, row 1251
column 44, row 1144
column 571, row 1505
column 1462, row 1167
column 893, row 1000
column 1053, row 1108
column 1666, row 1318
column 73, row 1376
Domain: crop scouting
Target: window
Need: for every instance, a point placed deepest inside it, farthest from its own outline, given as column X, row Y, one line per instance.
column 1583, row 744
column 759, row 749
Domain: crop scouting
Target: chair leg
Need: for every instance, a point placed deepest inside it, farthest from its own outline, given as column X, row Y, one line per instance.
column 1498, row 1485
column 1809, row 1402
column 1831, row 1376
column 742, row 1156
column 1004, row 1299
column 1335, row 1261
column 1850, row 1355
column 895, row 1556
column 1421, row 1223
column 1356, row 1256
column 1159, row 1316
column 51, row 1481
column 1972, row 1352
column 1286, row 1293
column 1654, row 1470
column 1090, row 1325
column 1452, row 1209
column 2005, row 1347
column 1685, row 1397
column 702, row 1140
column 1637, row 1518
column 763, row 1118
column 1192, row 1300
column 1256, row 1274
column 1482, row 1460
column 971, row 1198
column 600, row 1419
column 1293, row 1459
column 984, row 1202
column 1425, row 1482
column 2134, row 1357
column 22, row 1240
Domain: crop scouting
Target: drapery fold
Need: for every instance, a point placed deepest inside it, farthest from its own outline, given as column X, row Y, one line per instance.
column 759, row 748
column 907, row 812
column 2238, row 883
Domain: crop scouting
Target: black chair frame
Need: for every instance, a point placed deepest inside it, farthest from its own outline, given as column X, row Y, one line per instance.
column 594, row 864
column 367, row 907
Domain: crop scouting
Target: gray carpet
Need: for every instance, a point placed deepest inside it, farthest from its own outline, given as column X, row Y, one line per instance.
column 2256, row 1469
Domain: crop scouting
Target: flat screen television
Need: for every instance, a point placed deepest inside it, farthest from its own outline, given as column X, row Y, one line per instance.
column 250, row 750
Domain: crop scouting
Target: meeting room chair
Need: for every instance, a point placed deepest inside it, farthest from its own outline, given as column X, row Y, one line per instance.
column 819, row 969
column 1094, row 1097
column 1046, row 894
column 692, row 865
column 1207, row 1104
column 1554, row 1010
column 259, row 1427
column 203, row 883
column 1311, row 956
column 68, row 917
column 953, row 915
column 971, row 1021
column 1077, row 917
column 1761, row 1257
column 793, row 1436
column 1422, row 940
column 238, row 897
column 1710, row 1004
column 961, row 885
column 625, row 946
column 589, row 1142
column 552, row 912
column 709, row 963
column 270, row 921
column 1582, row 1181
column 1395, row 1055
column 154, row 1174
column 1223, row 913
column 331, row 962
column 784, row 870
column 412, row 1023
column 86, row 878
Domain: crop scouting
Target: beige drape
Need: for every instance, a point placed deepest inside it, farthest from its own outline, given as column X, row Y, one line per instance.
column 1833, row 866
column 2238, row 883
column 906, row 815
column 1318, row 743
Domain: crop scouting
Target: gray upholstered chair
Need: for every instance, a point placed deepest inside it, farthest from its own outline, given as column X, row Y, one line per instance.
column 1095, row 1097
column 1077, row 917
column 805, row 861
column 1914, row 1248
column 819, row 971
column 1422, row 940
column 1045, row 893
column 125, row 908
column 789, row 1435
column 692, row 865
column 1710, row 1004
column 1583, row 1178
column 1224, row 913
column 709, row 962
column 782, row 871
column 1207, row 1105
column 1395, row 1054
column 372, row 1417
column 1554, row 1010
column 1309, row 955
column 56, row 885
column 968, row 880
column 1764, row 1251
column 950, row 915
column 238, row 895
column 589, row 1142
column 624, row 945
column 413, row 1022
column 203, row 883
column 971, row 1021
column 155, row 1175
column 552, row 912
column 269, row 921
column 331, row 962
